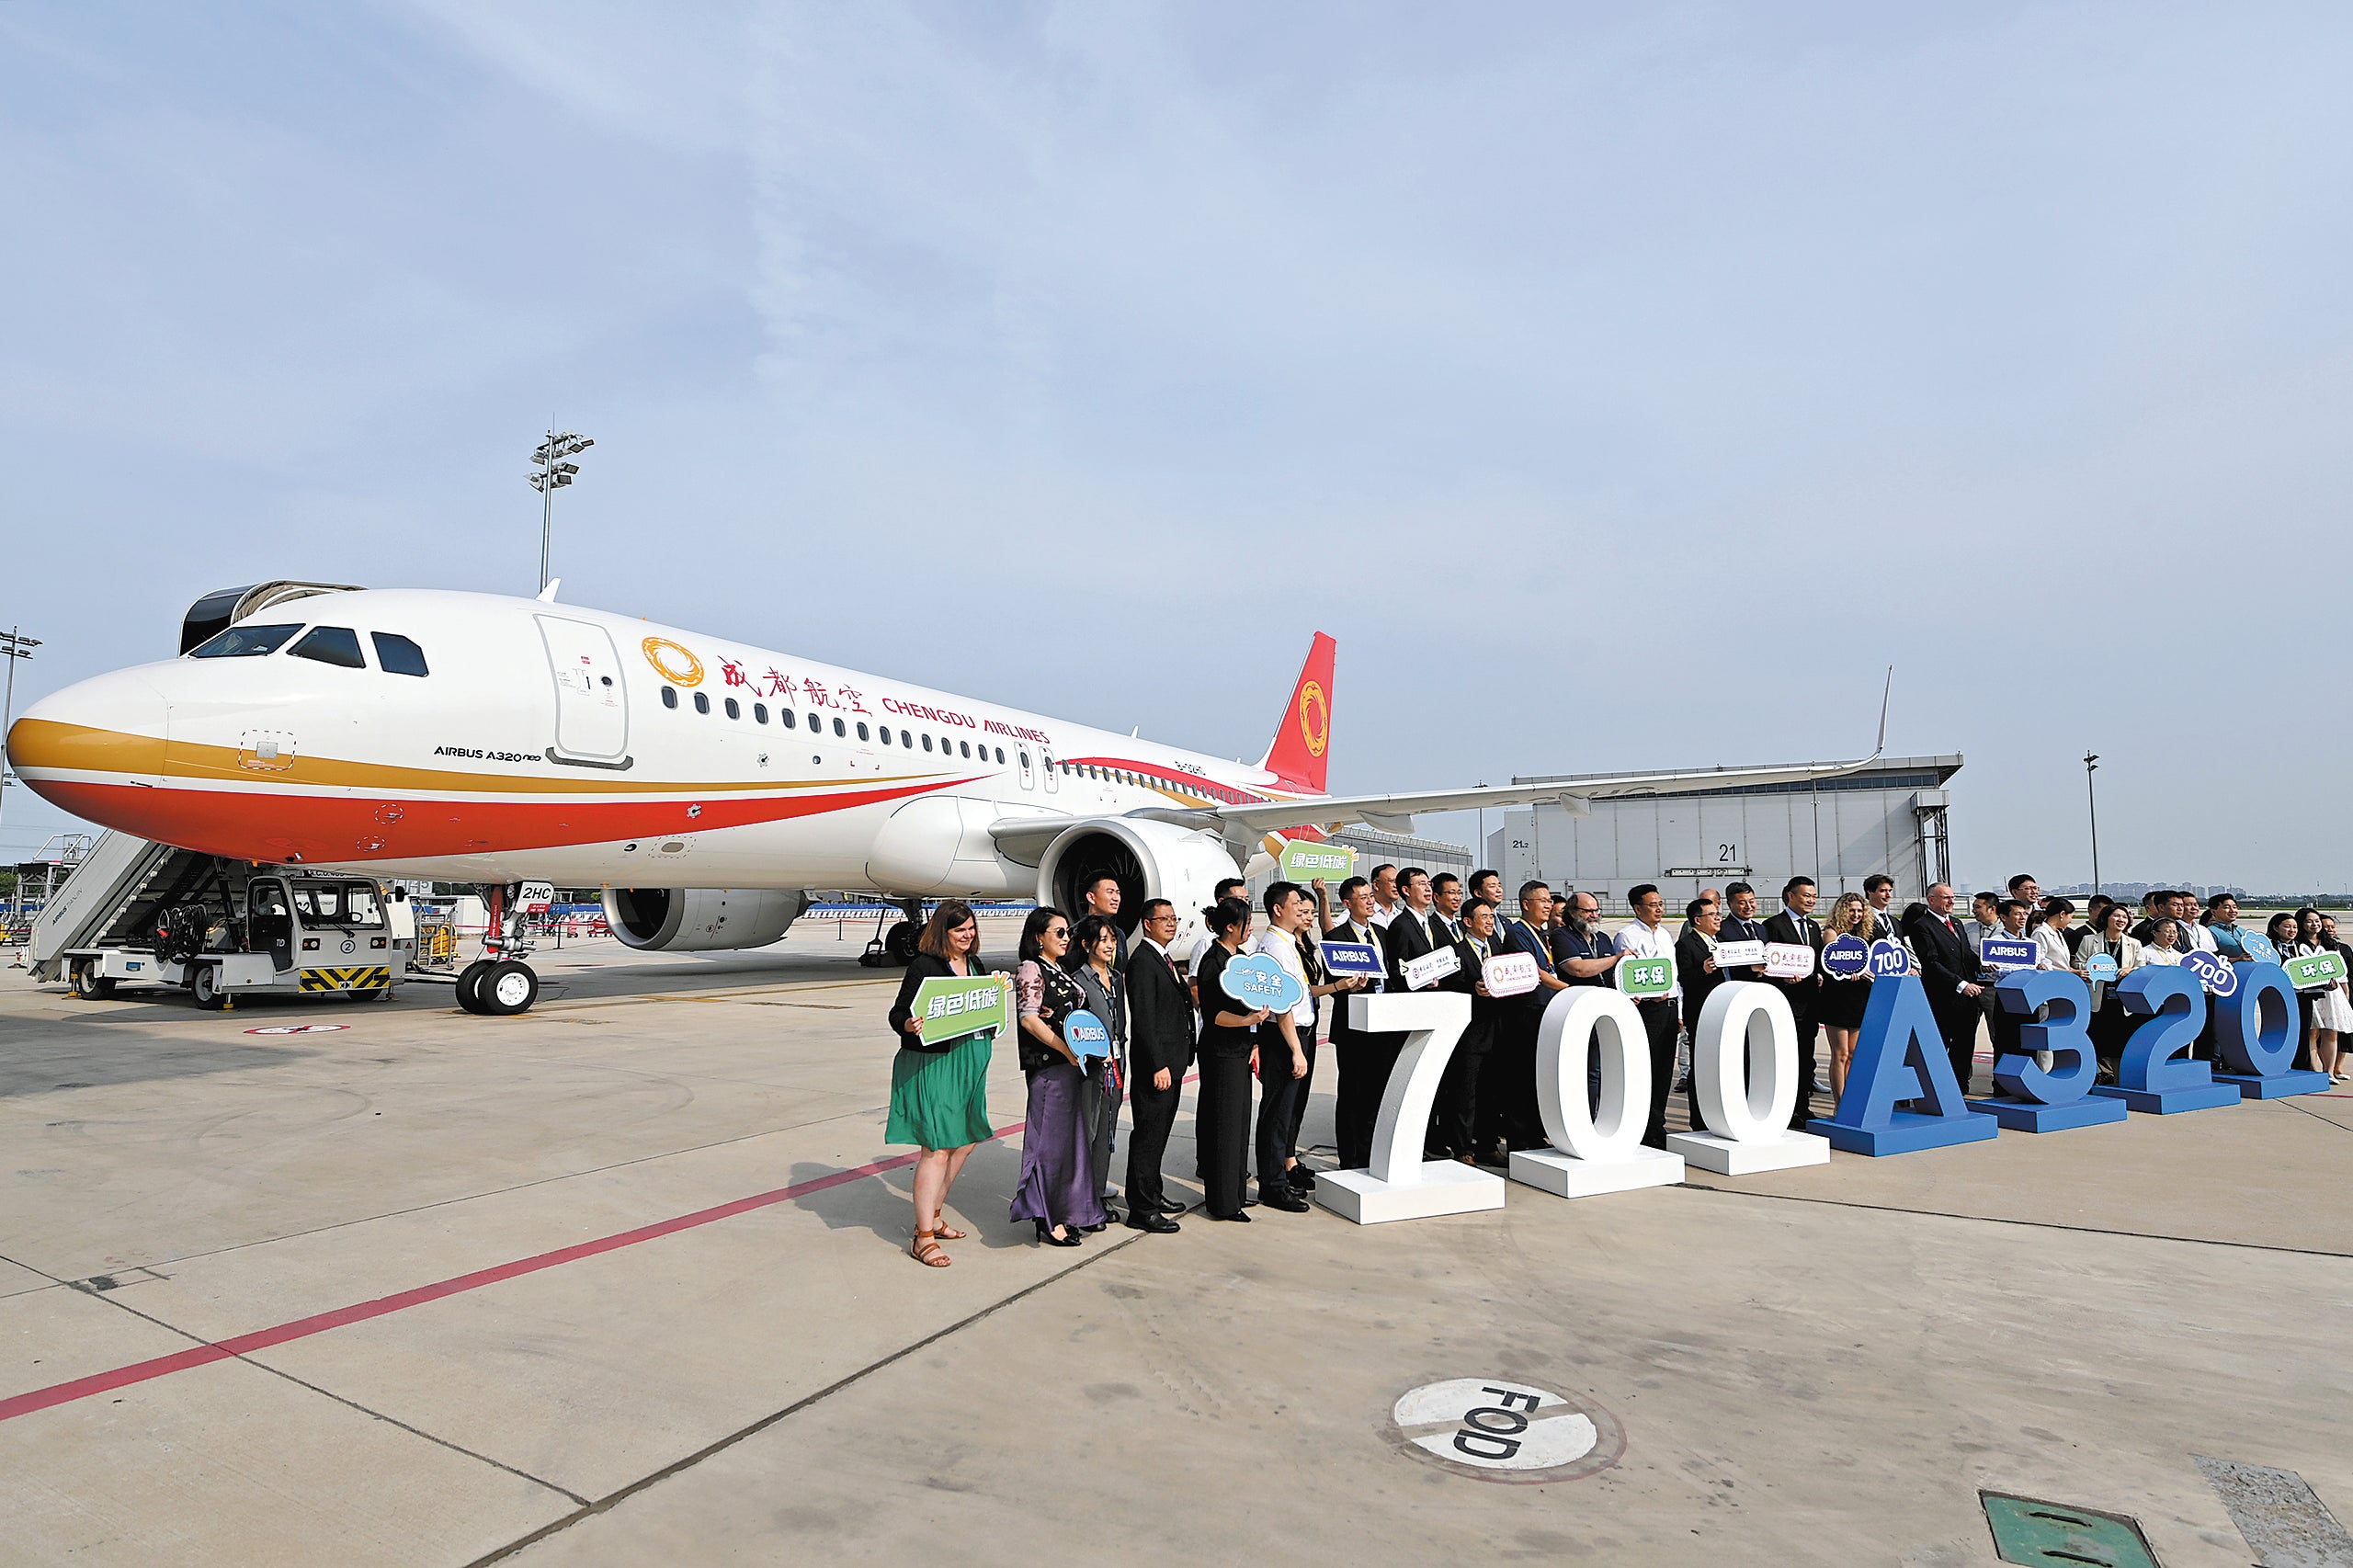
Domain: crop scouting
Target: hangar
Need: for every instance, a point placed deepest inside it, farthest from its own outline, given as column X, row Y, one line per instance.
column 1888, row 817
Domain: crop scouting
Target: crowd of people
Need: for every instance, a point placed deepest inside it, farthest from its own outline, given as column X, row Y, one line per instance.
column 1167, row 1013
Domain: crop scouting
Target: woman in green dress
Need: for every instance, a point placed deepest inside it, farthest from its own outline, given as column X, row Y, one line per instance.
column 940, row 1099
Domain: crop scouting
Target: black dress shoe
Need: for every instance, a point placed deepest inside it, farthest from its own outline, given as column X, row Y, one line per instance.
column 1237, row 1217
column 1288, row 1202
column 1175, row 1206
column 1046, row 1234
column 1158, row 1224
column 1099, row 1225
column 1300, row 1178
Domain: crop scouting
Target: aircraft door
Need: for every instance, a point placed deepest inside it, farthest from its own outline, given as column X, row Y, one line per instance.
column 1053, row 776
column 1028, row 775
column 591, row 702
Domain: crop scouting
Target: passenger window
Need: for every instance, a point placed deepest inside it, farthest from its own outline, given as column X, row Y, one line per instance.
column 702, row 702
column 841, row 729
column 396, row 655
column 861, row 730
column 906, row 739
column 336, row 645
column 669, row 696
column 886, row 734
column 760, row 712
column 926, row 743
column 784, row 716
column 967, row 746
column 244, row 643
column 1025, row 760
column 734, row 709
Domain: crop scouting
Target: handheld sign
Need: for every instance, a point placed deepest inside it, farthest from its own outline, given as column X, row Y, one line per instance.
column 1739, row 955
column 1509, row 974
column 1889, row 959
column 951, row 1006
column 1789, row 960
column 1260, row 980
column 2219, row 978
column 1430, row 967
column 1087, row 1035
column 2005, row 955
column 1304, row 862
column 1645, row 977
column 2258, row 947
column 2100, row 969
column 1846, row 956
column 1350, row 959
column 2314, row 969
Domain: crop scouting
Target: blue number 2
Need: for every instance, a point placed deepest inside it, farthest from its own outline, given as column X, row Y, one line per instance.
column 2174, row 1005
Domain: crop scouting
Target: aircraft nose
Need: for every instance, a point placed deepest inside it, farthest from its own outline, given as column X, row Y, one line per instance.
column 100, row 734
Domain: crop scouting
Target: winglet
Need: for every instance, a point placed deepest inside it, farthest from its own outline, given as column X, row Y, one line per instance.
column 547, row 595
column 1886, row 692
column 1298, row 757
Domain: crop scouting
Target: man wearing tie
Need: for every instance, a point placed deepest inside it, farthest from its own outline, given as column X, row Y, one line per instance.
column 1742, row 926
column 1694, row 968
column 1416, row 931
column 1446, row 891
column 1160, row 1051
column 1508, row 1115
column 1947, row 961
column 1454, row 1116
column 1796, row 925
column 1365, row 1058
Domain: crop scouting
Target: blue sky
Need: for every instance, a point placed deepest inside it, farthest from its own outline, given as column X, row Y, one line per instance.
column 1622, row 387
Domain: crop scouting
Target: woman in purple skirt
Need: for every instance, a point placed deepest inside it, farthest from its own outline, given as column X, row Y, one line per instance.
column 1059, row 1187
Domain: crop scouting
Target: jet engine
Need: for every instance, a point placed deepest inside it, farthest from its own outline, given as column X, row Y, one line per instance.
column 1151, row 860
column 700, row 920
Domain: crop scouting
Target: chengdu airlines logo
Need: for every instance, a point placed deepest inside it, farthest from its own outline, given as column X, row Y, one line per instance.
column 1314, row 718
column 661, row 653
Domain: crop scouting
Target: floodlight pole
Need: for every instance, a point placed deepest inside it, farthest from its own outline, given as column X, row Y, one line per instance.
column 2091, row 799
column 549, row 474
column 15, row 645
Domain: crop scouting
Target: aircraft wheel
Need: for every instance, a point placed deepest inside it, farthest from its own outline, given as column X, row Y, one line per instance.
column 899, row 945
column 507, row 988
column 90, row 986
column 469, row 983
column 204, row 984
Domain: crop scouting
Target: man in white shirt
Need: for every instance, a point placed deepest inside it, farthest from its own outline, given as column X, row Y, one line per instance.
column 2193, row 935
column 1286, row 1057
column 1385, row 902
column 1648, row 937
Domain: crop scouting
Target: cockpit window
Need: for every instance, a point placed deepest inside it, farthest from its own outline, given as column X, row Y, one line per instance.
column 395, row 654
column 338, row 904
column 332, row 646
column 244, row 643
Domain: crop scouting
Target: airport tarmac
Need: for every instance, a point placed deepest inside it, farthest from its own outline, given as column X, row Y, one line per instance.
column 624, row 1279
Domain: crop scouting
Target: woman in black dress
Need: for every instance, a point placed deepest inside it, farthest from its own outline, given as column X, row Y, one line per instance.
column 1843, row 999
column 1229, row 1051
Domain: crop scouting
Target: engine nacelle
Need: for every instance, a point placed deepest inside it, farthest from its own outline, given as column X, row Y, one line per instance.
column 700, row 920
column 1151, row 860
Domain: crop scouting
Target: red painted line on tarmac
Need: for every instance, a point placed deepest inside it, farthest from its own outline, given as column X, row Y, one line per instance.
column 382, row 1306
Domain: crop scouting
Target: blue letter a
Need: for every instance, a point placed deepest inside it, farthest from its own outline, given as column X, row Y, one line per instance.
column 1900, row 1058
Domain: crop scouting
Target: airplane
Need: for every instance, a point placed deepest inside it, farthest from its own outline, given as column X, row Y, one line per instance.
column 704, row 782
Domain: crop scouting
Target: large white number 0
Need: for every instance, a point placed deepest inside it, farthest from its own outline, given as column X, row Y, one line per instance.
column 1401, row 1185
column 1593, row 1151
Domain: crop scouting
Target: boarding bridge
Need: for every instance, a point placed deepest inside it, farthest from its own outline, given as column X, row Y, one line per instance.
column 112, row 897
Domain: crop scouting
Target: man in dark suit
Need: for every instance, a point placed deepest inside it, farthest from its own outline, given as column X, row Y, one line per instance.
column 1695, row 965
column 1160, row 1049
column 1508, row 1114
column 1741, row 925
column 1414, row 932
column 1796, row 925
column 1454, row 1117
column 1365, row 1058
column 1947, row 961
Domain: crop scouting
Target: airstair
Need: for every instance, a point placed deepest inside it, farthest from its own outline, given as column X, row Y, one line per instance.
column 112, row 897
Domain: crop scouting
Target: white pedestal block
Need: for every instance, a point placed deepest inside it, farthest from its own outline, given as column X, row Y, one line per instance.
column 1445, row 1186
column 1712, row 1152
column 1569, row 1177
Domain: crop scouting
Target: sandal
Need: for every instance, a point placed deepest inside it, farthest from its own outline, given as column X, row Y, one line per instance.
column 946, row 1232
column 925, row 1250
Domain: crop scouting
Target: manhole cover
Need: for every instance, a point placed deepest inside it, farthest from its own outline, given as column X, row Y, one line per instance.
column 1497, row 1430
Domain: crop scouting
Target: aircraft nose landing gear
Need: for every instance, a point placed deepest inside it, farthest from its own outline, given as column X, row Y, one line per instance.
column 499, row 983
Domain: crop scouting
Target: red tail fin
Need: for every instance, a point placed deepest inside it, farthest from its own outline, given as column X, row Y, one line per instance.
column 1296, row 758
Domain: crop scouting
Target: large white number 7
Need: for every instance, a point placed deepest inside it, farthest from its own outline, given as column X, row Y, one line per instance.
column 1400, row 1184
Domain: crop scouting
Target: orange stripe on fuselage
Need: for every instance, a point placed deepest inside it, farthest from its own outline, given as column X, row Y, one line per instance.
column 46, row 744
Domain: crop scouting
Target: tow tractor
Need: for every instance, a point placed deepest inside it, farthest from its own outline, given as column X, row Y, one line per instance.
column 223, row 928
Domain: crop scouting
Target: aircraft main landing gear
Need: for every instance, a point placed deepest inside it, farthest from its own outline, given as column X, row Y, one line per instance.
column 897, row 948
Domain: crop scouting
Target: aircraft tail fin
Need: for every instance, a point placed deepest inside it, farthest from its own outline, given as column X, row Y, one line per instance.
column 1296, row 758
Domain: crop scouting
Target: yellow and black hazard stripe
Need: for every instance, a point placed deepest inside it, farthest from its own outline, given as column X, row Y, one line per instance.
column 361, row 977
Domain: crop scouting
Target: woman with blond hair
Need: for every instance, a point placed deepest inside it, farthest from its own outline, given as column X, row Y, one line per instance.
column 939, row 1092
column 1843, row 997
